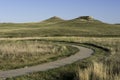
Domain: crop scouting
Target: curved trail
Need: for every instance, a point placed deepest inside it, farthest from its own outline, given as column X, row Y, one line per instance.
column 81, row 54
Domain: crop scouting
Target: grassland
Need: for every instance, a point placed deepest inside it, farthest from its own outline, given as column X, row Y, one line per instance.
column 102, row 37
column 106, row 69
column 59, row 27
column 111, row 62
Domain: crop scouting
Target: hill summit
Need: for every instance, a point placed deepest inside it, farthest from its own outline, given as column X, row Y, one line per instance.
column 85, row 19
column 81, row 19
column 53, row 19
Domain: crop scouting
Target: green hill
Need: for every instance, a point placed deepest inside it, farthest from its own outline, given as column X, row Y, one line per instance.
column 55, row 26
column 53, row 20
column 85, row 19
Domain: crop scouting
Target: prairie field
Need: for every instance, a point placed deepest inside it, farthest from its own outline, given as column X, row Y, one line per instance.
column 27, row 44
column 96, row 67
column 51, row 27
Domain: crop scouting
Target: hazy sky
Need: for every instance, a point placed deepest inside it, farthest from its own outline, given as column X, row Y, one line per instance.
column 37, row 10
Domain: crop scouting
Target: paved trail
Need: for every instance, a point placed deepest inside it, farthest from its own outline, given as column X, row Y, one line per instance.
column 81, row 54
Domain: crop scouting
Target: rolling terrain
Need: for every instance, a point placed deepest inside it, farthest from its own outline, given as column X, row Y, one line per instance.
column 84, row 31
column 85, row 26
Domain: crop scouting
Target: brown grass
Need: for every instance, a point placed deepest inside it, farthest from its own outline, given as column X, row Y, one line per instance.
column 107, row 68
column 14, row 54
column 98, row 71
column 27, row 47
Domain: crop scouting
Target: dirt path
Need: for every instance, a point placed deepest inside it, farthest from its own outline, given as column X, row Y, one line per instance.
column 81, row 54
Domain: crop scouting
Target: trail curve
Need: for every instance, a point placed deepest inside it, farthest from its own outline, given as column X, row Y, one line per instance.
column 81, row 54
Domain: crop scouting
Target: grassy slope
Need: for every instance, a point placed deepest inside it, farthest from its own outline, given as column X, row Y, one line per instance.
column 58, row 27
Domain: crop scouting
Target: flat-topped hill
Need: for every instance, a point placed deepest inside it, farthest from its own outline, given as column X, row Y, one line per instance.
column 86, row 19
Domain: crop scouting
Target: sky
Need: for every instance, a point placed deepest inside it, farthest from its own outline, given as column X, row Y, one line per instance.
column 38, row 10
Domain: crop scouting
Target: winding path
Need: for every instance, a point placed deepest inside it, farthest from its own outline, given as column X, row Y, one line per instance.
column 81, row 54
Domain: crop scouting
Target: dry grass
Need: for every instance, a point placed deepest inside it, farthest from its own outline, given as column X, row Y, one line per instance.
column 27, row 47
column 98, row 71
column 14, row 54
column 107, row 68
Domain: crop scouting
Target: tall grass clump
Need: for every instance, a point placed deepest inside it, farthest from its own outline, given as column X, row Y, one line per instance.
column 107, row 68
column 98, row 71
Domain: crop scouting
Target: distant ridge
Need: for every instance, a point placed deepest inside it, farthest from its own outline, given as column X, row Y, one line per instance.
column 84, row 26
column 81, row 19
